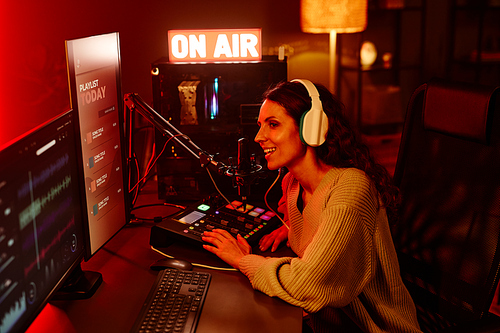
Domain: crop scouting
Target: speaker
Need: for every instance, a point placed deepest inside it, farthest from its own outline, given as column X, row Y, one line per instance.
column 314, row 122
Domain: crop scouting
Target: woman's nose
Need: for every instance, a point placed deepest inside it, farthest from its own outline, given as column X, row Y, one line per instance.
column 260, row 136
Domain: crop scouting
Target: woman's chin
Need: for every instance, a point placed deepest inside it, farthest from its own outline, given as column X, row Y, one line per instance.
column 272, row 166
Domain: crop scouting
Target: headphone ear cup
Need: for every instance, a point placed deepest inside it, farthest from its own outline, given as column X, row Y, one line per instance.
column 314, row 122
column 314, row 127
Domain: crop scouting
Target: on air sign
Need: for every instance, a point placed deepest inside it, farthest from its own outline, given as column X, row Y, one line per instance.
column 215, row 45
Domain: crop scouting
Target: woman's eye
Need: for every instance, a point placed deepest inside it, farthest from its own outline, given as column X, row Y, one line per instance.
column 272, row 125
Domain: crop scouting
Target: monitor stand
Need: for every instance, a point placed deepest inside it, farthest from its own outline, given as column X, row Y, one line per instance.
column 79, row 285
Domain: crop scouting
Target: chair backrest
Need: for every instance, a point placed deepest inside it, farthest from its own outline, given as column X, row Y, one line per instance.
column 448, row 171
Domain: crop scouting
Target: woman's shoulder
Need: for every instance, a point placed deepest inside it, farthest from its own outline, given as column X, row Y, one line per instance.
column 347, row 175
column 334, row 177
column 350, row 182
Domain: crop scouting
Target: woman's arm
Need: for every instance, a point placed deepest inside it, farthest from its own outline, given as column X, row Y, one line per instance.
column 335, row 267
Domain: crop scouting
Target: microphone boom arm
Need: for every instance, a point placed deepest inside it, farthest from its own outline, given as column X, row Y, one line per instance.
column 135, row 103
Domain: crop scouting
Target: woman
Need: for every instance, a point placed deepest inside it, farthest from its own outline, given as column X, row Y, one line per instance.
column 335, row 202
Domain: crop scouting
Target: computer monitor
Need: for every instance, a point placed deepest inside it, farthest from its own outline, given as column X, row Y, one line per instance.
column 94, row 75
column 41, row 238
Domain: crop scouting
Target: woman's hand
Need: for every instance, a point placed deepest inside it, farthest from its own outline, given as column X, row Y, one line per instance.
column 226, row 247
column 274, row 238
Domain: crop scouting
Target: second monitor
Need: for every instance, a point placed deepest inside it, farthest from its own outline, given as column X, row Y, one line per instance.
column 95, row 86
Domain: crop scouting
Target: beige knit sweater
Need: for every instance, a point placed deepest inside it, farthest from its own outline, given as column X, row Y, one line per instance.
column 346, row 273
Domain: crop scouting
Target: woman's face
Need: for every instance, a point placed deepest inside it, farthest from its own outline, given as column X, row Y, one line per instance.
column 279, row 137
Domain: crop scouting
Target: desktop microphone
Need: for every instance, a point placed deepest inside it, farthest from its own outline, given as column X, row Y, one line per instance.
column 244, row 165
column 243, row 169
column 245, row 172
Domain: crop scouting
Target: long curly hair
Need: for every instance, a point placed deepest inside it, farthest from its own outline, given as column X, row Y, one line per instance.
column 342, row 148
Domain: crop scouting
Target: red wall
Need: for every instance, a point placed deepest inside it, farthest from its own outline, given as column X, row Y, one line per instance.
column 33, row 82
column 33, row 79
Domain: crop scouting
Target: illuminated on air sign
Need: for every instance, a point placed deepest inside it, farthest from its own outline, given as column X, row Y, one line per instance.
column 215, row 45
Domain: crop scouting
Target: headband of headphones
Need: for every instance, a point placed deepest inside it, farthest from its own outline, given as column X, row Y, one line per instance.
column 314, row 122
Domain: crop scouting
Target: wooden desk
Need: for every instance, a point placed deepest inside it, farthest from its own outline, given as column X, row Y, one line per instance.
column 231, row 304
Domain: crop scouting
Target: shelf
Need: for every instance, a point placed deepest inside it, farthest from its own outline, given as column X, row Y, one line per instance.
column 474, row 30
column 472, row 63
column 378, row 68
column 476, row 5
column 399, row 32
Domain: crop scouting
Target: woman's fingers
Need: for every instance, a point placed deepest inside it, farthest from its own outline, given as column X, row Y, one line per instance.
column 273, row 239
column 265, row 242
column 244, row 244
column 226, row 247
column 217, row 235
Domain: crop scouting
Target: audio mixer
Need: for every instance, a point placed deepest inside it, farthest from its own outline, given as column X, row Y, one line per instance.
column 214, row 213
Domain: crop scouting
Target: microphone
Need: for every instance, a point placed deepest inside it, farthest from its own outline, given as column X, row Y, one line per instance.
column 244, row 164
column 245, row 172
column 242, row 170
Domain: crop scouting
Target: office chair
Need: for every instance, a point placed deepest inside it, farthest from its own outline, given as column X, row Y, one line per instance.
column 448, row 233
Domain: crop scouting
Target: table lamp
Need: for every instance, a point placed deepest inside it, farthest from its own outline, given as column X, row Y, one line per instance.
column 333, row 16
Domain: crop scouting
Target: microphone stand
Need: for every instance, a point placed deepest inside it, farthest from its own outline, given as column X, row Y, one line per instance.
column 135, row 103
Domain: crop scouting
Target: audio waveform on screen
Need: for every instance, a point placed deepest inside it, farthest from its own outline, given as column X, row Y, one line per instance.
column 27, row 215
column 45, row 174
column 43, row 251
column 47, row 222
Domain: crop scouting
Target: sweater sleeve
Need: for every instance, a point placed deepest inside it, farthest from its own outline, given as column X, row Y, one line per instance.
column 336, row 265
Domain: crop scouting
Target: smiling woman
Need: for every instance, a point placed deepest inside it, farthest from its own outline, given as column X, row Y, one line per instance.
column 279, row 137
column 335, row 204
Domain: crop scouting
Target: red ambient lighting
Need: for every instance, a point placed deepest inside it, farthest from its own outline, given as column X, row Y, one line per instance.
column 228, row 45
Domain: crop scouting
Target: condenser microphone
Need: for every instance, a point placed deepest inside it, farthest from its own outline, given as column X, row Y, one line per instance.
column 245, row 172
column 243, row 169
column 244, row 165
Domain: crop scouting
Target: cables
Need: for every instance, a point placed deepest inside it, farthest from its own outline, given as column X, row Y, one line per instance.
column 219, row 191
column 151, row 164
column 267, row 204
column 155, row 219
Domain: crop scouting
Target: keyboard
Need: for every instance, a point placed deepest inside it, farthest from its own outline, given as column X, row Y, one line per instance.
column 174, row 303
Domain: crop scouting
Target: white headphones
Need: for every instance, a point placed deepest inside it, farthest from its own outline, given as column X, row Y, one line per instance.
column 314, row 122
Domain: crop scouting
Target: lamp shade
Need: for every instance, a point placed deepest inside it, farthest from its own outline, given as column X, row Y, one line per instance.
column 342, row 16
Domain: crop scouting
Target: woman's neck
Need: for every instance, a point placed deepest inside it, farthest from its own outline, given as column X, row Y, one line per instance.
column 309, row 174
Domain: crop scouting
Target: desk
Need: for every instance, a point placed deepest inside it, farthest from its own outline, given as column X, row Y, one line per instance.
column 231, row 304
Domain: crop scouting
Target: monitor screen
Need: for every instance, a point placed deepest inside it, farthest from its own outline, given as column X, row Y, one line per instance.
column 95, row 89
column 41, row 238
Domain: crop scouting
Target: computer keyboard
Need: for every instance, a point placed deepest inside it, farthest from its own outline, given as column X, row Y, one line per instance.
column 174, row 303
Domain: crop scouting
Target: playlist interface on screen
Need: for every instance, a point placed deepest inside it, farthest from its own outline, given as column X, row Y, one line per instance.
column 96, row 64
